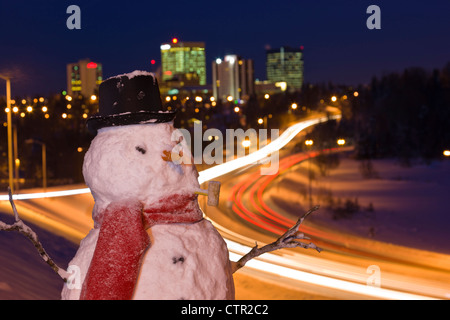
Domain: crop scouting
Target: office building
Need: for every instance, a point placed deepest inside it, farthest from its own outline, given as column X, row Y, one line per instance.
column 84, row 77
column 285, row 65
column 183, row 63
column 232, row 78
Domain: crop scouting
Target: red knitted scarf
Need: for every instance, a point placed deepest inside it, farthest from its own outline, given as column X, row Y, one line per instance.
column 122, row 241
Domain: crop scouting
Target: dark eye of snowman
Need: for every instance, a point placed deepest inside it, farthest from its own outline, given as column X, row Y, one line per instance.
column 141, row 150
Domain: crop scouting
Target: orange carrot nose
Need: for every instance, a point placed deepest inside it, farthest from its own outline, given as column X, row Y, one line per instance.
column 168, row 155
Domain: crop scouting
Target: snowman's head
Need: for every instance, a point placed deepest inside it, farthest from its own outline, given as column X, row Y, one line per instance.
column 126, row 162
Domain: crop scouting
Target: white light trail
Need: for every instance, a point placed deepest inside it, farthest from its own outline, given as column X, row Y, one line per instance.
column 271, row 264
column 324, row 281
column 51, row 194
column 262, row 153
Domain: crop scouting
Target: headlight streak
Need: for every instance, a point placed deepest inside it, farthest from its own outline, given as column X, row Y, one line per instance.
column 328, row 282
column 272, row 221
column 51, row 194
column 274, row 146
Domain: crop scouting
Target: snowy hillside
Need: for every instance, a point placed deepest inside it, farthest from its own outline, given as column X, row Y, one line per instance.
column 23, row 274
column 401, row 205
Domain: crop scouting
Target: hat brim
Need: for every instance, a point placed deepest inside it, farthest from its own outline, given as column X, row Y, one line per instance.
column 96, row 123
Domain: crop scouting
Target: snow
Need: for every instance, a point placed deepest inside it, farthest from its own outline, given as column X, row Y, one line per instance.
column 183, row 257
column 410, row 203
column 81, row 260
column 135, row 188
column 165, row 275
column 23, row 273
column 114, row 169
column 133, row 74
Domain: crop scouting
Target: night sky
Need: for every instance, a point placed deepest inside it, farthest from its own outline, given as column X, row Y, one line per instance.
column 35, row 44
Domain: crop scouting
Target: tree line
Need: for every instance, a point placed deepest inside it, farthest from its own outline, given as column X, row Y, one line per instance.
column 403, row 115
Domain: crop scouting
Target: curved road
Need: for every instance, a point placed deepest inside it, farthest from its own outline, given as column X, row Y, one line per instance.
column 348, row 268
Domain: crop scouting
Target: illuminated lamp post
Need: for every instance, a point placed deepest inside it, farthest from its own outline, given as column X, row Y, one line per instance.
column 9, row 123
column 263, row 121
column 246, row 143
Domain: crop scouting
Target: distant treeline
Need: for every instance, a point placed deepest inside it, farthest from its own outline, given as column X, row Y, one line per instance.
column 402, row 115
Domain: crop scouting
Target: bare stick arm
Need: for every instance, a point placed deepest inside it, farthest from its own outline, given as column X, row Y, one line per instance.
column 287, row 240
column 21, row 227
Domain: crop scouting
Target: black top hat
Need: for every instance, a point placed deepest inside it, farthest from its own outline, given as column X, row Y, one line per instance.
column 131, row 98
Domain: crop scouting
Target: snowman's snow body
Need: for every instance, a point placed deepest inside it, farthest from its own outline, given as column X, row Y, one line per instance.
column 184, row 260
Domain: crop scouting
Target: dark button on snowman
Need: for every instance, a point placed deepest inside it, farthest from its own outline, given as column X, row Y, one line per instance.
column 149, row 240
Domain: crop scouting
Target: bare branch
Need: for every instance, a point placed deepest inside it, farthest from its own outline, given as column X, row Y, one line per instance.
column 21, row 227
column 287, row 240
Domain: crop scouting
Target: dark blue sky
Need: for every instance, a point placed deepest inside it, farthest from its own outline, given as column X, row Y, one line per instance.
column 125, row 35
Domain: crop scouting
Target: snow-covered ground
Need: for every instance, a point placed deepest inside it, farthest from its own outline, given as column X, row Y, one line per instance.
column 410, row 204
column 23, row 273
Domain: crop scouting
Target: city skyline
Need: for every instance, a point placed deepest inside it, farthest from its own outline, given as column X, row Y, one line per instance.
column 338, row 46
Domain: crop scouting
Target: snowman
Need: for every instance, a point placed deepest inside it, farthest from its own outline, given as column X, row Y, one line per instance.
column 150, row 240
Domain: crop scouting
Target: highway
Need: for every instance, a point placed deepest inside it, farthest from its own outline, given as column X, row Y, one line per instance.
column 348, row 267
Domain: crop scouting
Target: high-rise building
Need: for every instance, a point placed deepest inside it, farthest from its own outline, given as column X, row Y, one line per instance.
column 84, row 77
column 183, row 62
column 232, row 78
column 285, row 65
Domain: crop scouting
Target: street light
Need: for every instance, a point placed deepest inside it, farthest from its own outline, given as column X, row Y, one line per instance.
column 44, row 162
column 9, row 122
column 246, row 143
